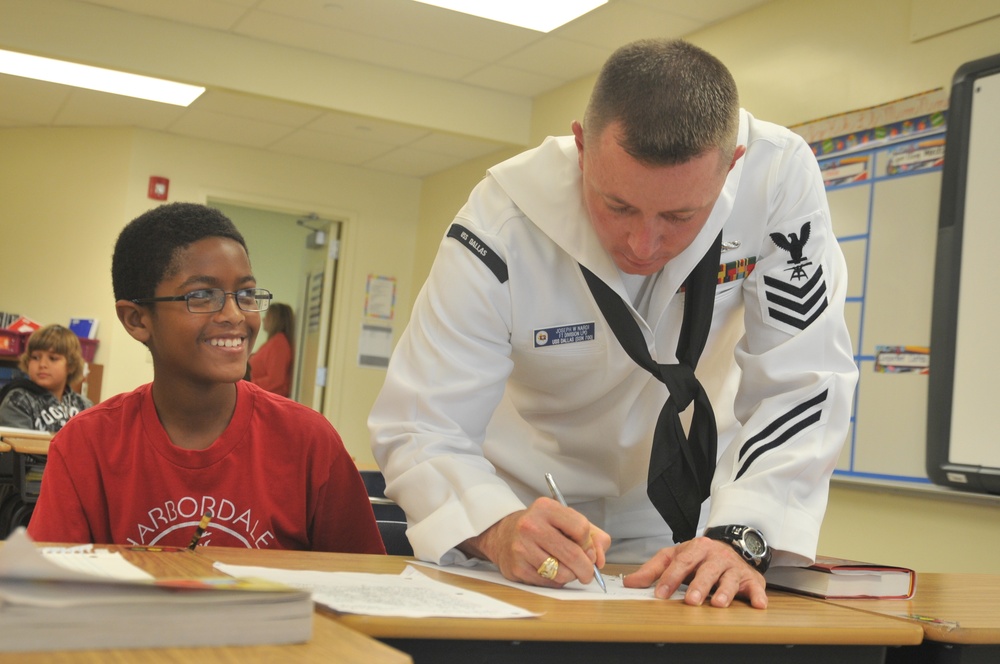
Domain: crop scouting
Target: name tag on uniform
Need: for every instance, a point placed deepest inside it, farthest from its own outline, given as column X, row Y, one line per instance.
column 565, row 334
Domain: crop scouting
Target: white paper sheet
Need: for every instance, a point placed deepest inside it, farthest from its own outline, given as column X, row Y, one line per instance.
column 20, row 559
column 410, row 594
column 98, row 562
column 572, row 590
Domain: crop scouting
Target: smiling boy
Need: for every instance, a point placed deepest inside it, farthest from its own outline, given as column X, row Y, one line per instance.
column 143, row 467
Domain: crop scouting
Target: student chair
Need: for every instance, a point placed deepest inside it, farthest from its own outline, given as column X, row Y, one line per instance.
column 384, row 508
column 394, row 537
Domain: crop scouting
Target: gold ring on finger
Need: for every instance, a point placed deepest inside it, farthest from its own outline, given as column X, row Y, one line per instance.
column 549, row 568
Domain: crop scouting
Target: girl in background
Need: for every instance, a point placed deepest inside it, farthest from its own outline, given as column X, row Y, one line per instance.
column 271, row 366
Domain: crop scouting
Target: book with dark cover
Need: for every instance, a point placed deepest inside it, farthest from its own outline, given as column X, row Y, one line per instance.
column 839, row 578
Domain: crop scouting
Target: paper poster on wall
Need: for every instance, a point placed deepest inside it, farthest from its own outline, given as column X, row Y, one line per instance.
column 846, row 170
column 380, row 297
column 314, row 301
column 374, row 346
column 915, row 156
column 902, row 359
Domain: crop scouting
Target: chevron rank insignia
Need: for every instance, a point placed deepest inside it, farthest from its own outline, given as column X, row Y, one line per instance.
column 795, row 293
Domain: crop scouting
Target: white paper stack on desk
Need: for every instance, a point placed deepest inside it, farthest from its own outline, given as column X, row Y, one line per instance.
column 99, row 600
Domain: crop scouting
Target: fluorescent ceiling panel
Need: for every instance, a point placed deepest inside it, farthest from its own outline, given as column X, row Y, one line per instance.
column 95, row 78
column 541, row 15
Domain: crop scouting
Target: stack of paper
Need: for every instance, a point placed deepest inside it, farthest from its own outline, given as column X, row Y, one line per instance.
column 68, row 599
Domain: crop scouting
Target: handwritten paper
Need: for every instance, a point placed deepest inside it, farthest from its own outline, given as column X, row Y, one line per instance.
column 20, row 559
column 574, row 590
column 410, row 594
column 96, row 562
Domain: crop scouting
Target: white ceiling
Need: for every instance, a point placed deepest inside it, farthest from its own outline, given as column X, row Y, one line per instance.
column 392, row 85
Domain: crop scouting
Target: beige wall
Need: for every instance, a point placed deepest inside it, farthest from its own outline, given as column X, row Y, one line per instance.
column 57, row 191
column 66, row 193
column 929, row 531
column 796, row 61
column 445, row 193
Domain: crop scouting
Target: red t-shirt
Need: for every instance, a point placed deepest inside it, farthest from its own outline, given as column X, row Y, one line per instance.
column 278, row 477
column 271, row 366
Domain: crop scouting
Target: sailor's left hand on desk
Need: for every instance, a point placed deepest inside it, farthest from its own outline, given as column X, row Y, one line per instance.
column 703, row 564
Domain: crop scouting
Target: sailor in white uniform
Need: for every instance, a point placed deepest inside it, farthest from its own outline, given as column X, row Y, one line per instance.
column 508, row 368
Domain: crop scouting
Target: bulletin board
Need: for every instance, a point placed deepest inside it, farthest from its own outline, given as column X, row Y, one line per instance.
column 882, row 170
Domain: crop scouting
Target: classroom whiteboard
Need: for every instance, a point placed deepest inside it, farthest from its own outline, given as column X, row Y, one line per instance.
column 883, row 188
column 963, row 445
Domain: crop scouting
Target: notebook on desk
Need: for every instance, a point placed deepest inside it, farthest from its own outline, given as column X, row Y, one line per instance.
column 73, row 598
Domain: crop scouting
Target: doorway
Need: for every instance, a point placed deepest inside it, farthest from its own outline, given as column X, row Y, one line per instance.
column 294, row 255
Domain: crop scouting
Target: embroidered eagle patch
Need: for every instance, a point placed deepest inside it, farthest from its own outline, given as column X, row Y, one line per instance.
column 794, row 244
column 794, row 295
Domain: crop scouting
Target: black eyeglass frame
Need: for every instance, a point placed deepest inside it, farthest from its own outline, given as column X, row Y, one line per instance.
column 259, row 295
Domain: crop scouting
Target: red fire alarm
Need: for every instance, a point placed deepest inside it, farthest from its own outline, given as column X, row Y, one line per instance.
column 158, row 188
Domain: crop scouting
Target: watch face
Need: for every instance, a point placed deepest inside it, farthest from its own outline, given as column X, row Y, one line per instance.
column 754, row 543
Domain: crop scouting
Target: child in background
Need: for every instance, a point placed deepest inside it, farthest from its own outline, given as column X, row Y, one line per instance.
column 271, row 366
column 141, row 468
column 44, row 401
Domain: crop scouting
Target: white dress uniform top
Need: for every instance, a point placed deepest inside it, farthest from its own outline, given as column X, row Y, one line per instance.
column 507, row 369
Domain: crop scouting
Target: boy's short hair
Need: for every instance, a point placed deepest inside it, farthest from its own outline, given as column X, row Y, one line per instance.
column 56, row 339
column 146, row 248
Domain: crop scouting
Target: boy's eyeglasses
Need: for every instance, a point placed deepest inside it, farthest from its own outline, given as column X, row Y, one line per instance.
column 211, row 300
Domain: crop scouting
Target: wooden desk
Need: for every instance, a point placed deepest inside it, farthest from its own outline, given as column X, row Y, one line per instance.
column 967, row 607
column 25, row 445
column 331, row 643
column 792, row 628
column 24, row 441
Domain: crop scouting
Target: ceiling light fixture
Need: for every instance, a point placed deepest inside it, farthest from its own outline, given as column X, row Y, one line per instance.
column 543, row 16
column 96, row 78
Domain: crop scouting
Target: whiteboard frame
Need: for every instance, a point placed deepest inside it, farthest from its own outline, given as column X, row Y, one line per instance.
column 942, row 469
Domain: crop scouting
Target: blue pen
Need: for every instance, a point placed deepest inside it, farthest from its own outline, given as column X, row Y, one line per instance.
column 557, row 494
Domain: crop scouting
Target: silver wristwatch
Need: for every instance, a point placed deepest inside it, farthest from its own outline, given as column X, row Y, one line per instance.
column 747, row 541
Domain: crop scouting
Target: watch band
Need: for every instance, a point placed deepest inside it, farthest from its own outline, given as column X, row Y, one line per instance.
column 746, row 541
